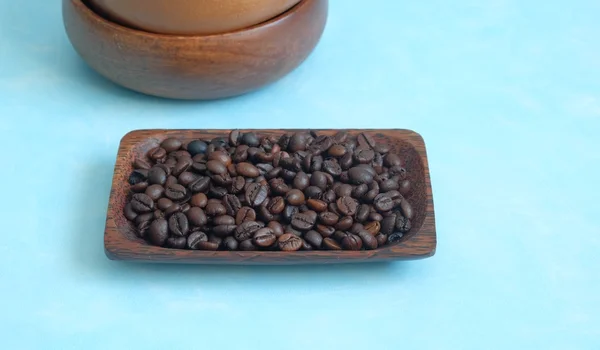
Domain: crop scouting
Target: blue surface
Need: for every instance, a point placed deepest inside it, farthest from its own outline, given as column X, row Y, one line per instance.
column 506, row 94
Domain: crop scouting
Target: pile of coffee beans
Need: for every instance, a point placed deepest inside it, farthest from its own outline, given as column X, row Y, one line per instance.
column 300, row 191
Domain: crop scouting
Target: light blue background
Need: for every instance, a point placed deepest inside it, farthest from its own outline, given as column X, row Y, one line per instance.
column 506, row 94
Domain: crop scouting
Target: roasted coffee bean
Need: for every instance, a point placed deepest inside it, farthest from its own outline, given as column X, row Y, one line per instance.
column 304, row 221
column 360, row 175
column 395, row 237
column 256, row 194
column 332, row 167
column 158, row 232
column 155, row 192
column 288, row 175
column 301, row 181
column 403, row 224
column 365, row 140
column 374, row 216
column 334, row 209
column 246, row 245
column 404, row 187
column 388, row 224
column 144, row 217
column 140, row 163
column 199, row 200
column 220, row 156
column 157, row 175
column 202, row 184
column 347, row 205
column 391, row 160
column 313, row 238
column 331, row 244
column 157, row 154
column 369, row 242
column 141, row 203
column 237, row 185
column 215, row 209
column 344, row 223
column 289, row 212
column 138, row 176
column 178, row 224
column 364, row 156
column 245, row 214
column 328, row 218
column 234, row 137
column 195, row 239
column 381, row 239
column 224, row 220
column 196, row 216
column 229, row 243
column 325, row 231
column 321, row 144
column 265, row 237
column 356, row 228
column 139, row 187
column 142, row 229
column 247, row 230
column 276, row 227
column 337, row 151
column 383, row 203
column 181, row 166
column 313, row 192
column 186, row 178
column 253, row 151
column 370, row 196
column 175, row 192
column 171, row 180
column 185, row 207
column 215, row 239
column 175, row 208
column 362, row 214
column 388, row 185
column 216, row 167
column 289, row 242
column 264, row 214
column 250, row 139
column 197, row 147
column 407, row 210
column 295, row 197
column 347, row 160
column 129, row 213
column 329, row 196
column 278, row 186
column 232, row 204
column 223, row 230
column 351, row 242
column 273, row 173
column 176, row 242
column 373, row 227
column 317, row 205
column 398, row 171
column 276, row 205
column 343, row 190
column 247, row 169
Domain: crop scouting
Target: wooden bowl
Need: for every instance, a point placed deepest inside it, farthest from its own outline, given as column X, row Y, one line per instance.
column 197, row 17
column 121, row 242
column 196, row 67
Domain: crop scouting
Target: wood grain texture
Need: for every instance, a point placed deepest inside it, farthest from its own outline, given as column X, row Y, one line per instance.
column 190, row 17
column 121, row 243
column 196, row 67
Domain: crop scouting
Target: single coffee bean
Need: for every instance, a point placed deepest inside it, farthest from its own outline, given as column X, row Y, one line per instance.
column 224, row 220
column 356, row 228
column 247, row 169
column 314, row 238
column 332, row 167
column 329, row 197
column 306, row 245
column 215, row 239
column 343, row 190
column 395, row 237
column 230, row 243
column 235, row 137
column 391, row 160
column 139, row 187
column 337, row 151
column 220, row 156
column 381, row 239
column 224, row 230
column 407, row 210
column 313, row 192
column 347, row 160
column 370, row 196
column 138, row 176
column 142, row 229
column 155, row 192
column 359, row 191
column 171, row 180
column 317, row 205
column 237, row 185
column 171, row 144
column 185, row 207
column 373, row 227
column 197, row 147
column 331, row 244
column 140, row 163
column 157, row 175
column 256, row 194
column 264, row 214
column 176, row 242
column 301, row 181
column 351, row 242
column 347, row 205
column 215, row 209
column 129, row 213
column 404, row 187
column 328, row 218
column 289, row 212
column 276, row 205
column 240, row 154
column 158, row 232
column 388, row 224
column 368, row 240
column 195, row 239
column 360, row 175
column 181, row 166
column 388, row 185
column 196, row 216
column 199, row 200
column 247, row 230
column 334, row 209
column 250, row 139
column 157, row 154
column 289, row 242
column 345, row 223
column 246, row 245
column 245, row 214
column 304, row 221
column 362, row 213
column 398, row 172
column 364, row 156
column 295, row 197
column 202, row 184
column 403, row 224
column 216, row 167
column 186, row 178
column 293, row 230
column 383, row 203
column 232, row 204
column 278, row 186
column 374, row 216
column 365, row 140
column 141, row 203
column 178, row 224
column 175, row 208
column 325, row 231
column 175, row 192
column 144, row 217
column 265, row 237
column 276, row 227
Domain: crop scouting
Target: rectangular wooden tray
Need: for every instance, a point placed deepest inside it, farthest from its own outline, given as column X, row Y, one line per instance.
column 121, row 243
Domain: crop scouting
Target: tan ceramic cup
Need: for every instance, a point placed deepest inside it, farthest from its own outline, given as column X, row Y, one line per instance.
column 191, row 17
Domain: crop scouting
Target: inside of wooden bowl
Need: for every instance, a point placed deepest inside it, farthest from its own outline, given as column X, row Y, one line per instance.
column 105, row 17
column 414, row 165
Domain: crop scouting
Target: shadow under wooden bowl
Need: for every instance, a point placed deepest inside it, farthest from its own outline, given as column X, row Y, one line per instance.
column 196, row 67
